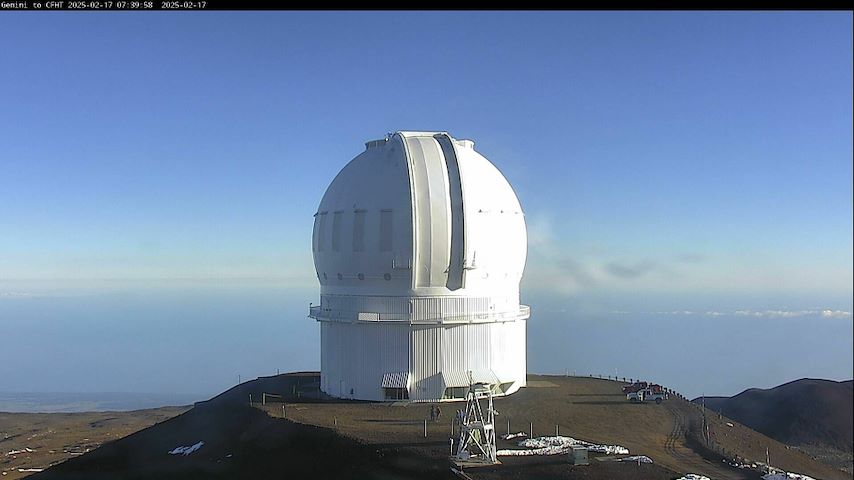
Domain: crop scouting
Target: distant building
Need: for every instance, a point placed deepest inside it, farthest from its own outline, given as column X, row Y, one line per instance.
column 419, row 245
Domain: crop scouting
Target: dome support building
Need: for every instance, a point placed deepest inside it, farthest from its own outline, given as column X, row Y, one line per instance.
column 419, row 245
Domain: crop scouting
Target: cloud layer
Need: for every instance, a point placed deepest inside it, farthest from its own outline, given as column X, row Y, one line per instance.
column 570, row 269
column 824, row 313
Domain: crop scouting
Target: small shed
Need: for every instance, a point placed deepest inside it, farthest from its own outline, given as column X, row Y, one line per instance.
column 578, row 455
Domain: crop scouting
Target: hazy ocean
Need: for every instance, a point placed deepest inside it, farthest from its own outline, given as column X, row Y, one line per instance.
column 65, row 402
column 175, row 346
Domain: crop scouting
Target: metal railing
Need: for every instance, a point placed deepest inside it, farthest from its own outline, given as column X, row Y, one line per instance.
column 317, row 312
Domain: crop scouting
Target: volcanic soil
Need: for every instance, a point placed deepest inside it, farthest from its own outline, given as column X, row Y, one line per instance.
column 34, row 441
column 291, row 429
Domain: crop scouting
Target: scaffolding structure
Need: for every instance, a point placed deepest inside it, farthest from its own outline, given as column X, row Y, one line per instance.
column 476, row 444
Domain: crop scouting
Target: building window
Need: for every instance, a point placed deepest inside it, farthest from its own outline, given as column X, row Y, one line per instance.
column 396, row 393
column 456, row 392
column 359, row 231
column 386, row 230
column 337, row 218
column 320, row 231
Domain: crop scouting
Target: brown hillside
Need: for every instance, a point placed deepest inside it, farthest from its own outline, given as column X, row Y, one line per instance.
column 325, row 438
column 46, row 439
column 587, row 408
column 804, row 412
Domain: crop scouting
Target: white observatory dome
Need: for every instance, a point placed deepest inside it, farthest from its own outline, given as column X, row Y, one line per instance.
column 419, row 233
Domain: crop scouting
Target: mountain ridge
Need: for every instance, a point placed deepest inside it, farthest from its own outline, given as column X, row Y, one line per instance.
column 803, row 412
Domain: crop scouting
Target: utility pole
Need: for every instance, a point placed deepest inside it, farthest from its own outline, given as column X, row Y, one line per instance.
column 705, row 422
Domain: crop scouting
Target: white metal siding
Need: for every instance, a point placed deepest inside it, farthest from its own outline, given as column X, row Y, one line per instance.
column 426, row 363
column 444, row 352
column 507, row 350
column 355, row 356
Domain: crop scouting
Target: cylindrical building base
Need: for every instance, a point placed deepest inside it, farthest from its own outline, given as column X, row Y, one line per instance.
column 387, row 361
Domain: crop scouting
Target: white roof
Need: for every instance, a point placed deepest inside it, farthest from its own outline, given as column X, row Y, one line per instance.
column 396, row 380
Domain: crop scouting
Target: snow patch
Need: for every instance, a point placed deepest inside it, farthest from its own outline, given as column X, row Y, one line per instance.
column 636, row 458
column 511, row 436
column 786, row 476
column 531, row 451
column 693, row 476
column 559, row 444
column 18, row 452
column 186, row 450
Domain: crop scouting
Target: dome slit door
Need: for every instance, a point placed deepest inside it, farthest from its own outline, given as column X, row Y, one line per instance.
column 456, row 269
column 431, row 205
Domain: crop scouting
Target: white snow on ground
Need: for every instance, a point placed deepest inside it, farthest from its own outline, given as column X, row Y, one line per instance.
column 23, row 470
column 733, row 463
column 636, row 458
column 786, row 476
column 693, row 476
column 541, row 442
column 18, row 452
column 532, row 451
column 186, row 450
column 566, row 442
column 558, row 445
column 511, row 436
column 606, row 449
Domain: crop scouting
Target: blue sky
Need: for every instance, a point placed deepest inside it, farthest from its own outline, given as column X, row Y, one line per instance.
column 702, row 160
